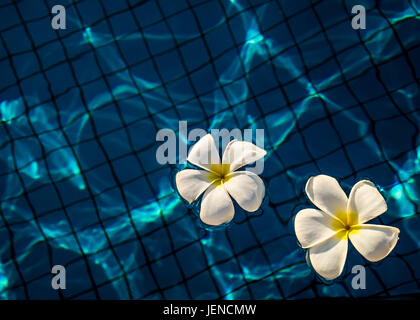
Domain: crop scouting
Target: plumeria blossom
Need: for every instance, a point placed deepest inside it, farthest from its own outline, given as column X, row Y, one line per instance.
column 325, row 232
column 220, row 180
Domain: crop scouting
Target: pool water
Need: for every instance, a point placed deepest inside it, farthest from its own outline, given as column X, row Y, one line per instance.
column 80, row 108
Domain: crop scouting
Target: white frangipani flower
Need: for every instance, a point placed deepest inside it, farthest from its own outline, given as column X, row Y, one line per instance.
column 220, row 181
column 325, row 232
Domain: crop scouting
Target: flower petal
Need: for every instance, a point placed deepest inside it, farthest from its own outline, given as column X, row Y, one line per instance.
column 374, row 242
column 192, row 183
column 247, row 189
column 366, row 202
column 216, row 206
column 241, row 153
column 204, row 153
column 325, row 192
column 313, row 226
column 329, row 257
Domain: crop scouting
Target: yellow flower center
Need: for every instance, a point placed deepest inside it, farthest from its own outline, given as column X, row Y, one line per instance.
column 219, row 174
column 347, row 223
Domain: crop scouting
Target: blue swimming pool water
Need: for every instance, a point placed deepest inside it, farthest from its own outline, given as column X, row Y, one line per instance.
column 79, row 182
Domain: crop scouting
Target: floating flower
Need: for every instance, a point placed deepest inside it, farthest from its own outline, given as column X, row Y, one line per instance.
column 325, row 232
column 220, row 181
